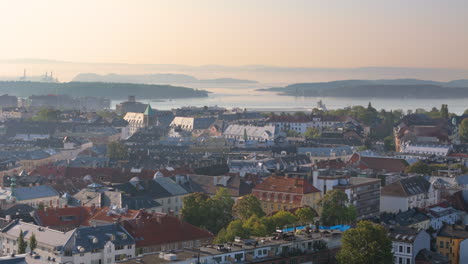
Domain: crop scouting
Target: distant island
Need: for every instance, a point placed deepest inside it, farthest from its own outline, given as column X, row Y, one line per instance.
column 113, row 91
column 159, row 78
column 397, row 88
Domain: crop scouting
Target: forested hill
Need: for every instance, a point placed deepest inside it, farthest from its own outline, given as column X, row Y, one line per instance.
column 99, row 89
column 404, row 88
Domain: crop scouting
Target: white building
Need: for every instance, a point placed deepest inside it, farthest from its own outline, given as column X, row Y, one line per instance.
column 440, row 216
column 412, row 192
column 299, row 124
column 406, row 244
column 439, row 150
column 264, row 134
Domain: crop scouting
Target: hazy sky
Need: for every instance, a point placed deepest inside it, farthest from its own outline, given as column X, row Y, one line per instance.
column 328, row 33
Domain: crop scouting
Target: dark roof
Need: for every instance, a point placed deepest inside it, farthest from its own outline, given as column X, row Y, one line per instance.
column 407, row 187
column 453, row 231
column 91, row 238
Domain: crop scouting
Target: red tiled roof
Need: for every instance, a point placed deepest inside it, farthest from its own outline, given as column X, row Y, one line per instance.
column 287, row 185
column 68, row 216
column 48, row 170
column 164, row 229
column 378, row 163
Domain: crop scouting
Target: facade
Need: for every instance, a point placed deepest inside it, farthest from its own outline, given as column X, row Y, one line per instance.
column 262, row 134
column 281, row 193
column 192, row 123
column 167, row 233
column 326, row 153
column 407, row 243
column 452, row 242
column 49, row 242
column 363, row 193
column 412, row 192
column 281, row 248
column 298, row 124
column 138, row 120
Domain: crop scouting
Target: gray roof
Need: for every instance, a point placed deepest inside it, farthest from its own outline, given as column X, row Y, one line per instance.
column 43, row 235
column 462, row 180
column 326, row 152
column 86, row 239
column 171, row 186
column 34, row 192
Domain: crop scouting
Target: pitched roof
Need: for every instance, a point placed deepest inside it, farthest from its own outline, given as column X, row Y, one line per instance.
column 407, row 187
column 286, row 185
column 34, row 192
column 453, row 231
column 87, row 239
column 149, row 111
column 68, row 216
column 386, row 164
column 43, row 235
column 109, row 215
column 164, row 229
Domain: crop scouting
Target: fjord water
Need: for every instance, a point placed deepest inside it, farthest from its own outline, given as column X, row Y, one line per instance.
column 247, row 96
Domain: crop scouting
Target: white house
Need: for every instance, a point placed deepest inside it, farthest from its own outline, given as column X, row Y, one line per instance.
column 407, row 242
column 412, row 192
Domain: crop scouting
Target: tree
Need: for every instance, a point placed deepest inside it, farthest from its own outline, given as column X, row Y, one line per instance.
column 464, row 130
column 305, row 215
column 47, row 115
column 22, row 244
column 312, row 133
column 368, row 243
column 245, row 135
column 33, row 242
column 211, row 213
column 419, row 167
column 389, row 143
column 283, row 218
column 256, row 227
column 234, row 229
column 247, row 206
column 444, row 113
column 335, row 209
column 117, row 150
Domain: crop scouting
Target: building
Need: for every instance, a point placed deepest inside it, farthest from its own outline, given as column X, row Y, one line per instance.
column 131, row 105
column 363, row 193
column 192, row 124
column 245, row 133
column 42, row 195
column 326, row 153
column 452, row 242
column 64, row 219
column 408, row 193
column 298, row 124
column 282, row 193
column 50, row 242
column 377, row 164
column 8, row 101
column 280, row 248
column 167, row 233
column 407, row 243
column 138, row 120
column 101, row 244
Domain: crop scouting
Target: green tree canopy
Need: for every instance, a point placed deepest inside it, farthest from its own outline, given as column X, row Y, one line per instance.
column 368, row 243
column 33, row 242
column 335, row 209
column 312, row 132
column 419, row 167
column 248, row 206
column 464, row 130
column 211, row 213
column 47, row 115
column 305, row 215
column 22, row 244
column 117, row 150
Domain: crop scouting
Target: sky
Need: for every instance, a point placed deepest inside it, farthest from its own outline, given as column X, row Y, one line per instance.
column 289, row 33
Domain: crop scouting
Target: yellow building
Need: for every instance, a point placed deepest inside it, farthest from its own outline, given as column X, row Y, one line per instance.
column 283, row 193
column 449, row 241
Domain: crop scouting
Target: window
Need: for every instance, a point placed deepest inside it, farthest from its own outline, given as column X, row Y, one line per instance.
column 441, row 244
column 408, row 250
column 447, row 244
column 109, row 260
column 129, row 246
column 119, row 247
